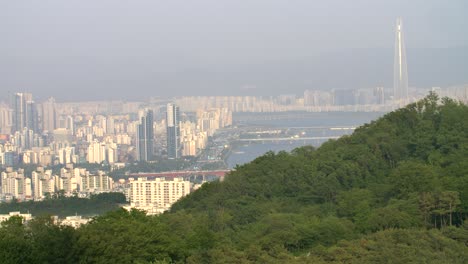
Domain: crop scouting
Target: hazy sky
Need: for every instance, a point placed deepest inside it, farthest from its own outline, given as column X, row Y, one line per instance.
column 133, row 49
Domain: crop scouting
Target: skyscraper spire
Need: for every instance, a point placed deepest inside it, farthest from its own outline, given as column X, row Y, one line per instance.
column 400, row 70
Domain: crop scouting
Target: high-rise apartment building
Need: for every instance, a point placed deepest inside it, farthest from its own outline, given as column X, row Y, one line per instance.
column 110, row 125
column 42, row 183
column 95, row 182
column 102, row 152
column 5, row 119
column 15, row 185
column 32, row 120
column 18, row 104
column 70, row 124
column 173, row 131
column 145, row 136
column 157, row 194
column 49, row 115
column 400, row 70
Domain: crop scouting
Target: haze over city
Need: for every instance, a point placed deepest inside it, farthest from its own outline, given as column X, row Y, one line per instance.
column 99, row 50
column 234, row 131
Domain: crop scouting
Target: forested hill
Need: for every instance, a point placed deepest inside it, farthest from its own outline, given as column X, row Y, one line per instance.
column 417, row 152
column 396, row 191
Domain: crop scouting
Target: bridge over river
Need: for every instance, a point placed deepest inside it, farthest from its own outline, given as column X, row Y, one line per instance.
column 286, row 139
column 189, row 175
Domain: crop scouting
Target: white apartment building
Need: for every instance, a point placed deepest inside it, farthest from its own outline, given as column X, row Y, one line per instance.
column 96, row 152
column 96, row 183
column 99, row 152
column 157, row 194
column 15, row 185
column 42, row 182
column 67, row 155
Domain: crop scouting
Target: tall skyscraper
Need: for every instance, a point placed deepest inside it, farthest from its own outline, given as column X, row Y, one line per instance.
column 70, row 124
column 32, row 121
column 49, row 115
column 145, row 136
column 24, row 112
column 173, row 131
column 400, row 70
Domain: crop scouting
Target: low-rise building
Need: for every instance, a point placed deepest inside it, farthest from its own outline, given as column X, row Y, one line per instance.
column 5, row 217
column 74, row 221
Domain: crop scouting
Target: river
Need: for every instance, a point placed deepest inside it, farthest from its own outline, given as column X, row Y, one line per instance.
column 312, row 124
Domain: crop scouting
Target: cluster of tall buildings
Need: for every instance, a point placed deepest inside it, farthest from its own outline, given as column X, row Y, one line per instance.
column 182, row 137
column 25, row 113
column 192, row 139
column 53, row 135
column 42, row 183
column 60, row 136
column 369, row 100
column 338, row 98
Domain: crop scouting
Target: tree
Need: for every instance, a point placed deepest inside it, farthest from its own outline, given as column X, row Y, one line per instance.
column 447, row 203
column 411, row 176
column 427, row 202
column 14, row 244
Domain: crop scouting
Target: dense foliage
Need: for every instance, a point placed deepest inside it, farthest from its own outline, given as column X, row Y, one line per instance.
column 396, row 191
column 59, row 205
